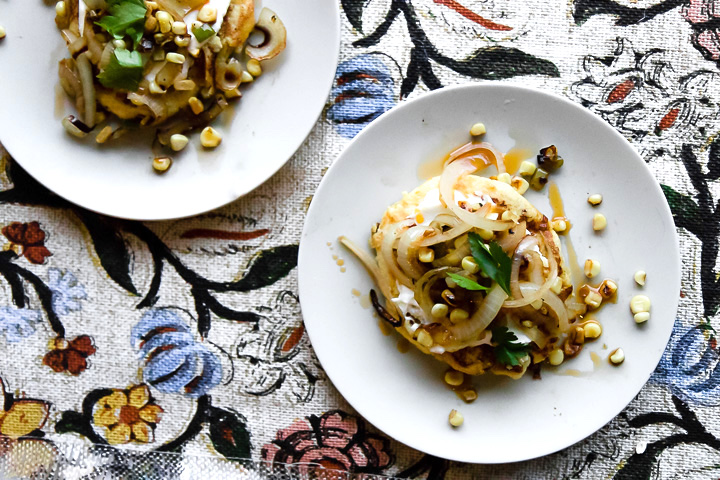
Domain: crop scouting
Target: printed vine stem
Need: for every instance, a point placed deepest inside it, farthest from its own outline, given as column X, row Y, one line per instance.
column 15, row 274
column 434, row 467
column 640, row 465
column 488, row 63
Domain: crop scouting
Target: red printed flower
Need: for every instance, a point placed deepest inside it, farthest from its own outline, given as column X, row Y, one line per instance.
column 70, row 356
column 31, row 238
column 336, row 441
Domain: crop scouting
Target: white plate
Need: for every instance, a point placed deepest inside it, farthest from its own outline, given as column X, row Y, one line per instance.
column 403, row 394
column 271, row 121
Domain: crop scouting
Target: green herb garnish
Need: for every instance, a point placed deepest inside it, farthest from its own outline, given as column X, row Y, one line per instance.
column 465, row 282
column 492, row 260
column 127, row 17
column 508, row 350
column 203, row 32
column 124, row 71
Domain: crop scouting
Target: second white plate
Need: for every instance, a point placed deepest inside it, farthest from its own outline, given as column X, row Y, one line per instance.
column 403, row 394
column 260, row 134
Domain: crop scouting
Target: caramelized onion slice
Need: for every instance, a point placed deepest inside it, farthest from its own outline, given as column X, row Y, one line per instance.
column 274, row 36
column 472, row 328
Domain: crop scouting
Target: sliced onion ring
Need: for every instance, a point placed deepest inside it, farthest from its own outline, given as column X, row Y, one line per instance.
column 471, row 328
column 407, row 251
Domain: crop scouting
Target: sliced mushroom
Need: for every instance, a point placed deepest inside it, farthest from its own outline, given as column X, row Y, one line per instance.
column 274, row 36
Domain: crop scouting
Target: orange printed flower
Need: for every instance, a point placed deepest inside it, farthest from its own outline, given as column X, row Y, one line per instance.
column 69, row 356
column 128, row 415
column 30, row 238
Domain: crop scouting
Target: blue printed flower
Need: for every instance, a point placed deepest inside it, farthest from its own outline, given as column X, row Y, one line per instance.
column 690, row 366
column 174, row 362
column 18, row 323
column 363, row 91
column 67, row 291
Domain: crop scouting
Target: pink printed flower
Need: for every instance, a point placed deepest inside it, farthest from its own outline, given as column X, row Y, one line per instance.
column 703, row 15
column 336, row 441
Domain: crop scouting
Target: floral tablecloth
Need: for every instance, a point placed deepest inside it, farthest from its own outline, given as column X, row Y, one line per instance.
column 177, row 349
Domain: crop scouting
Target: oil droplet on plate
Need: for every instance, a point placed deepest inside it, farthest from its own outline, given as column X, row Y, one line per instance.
column 514, row 157
column 343, row 270
column 356, row 292
column 403, row 345
column 385, row 327
column 340, row 262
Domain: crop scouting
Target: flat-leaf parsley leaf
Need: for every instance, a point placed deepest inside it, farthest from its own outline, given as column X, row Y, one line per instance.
column 124, row 71
column 127, row 17
column 466, row 283
column 508, row 350
column 492, row 260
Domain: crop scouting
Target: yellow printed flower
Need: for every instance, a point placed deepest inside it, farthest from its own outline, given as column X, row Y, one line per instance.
column 23, row 417
column 128, row 415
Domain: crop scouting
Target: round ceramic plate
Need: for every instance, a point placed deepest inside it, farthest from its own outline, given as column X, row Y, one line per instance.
column 260, row 133
column 512, row 420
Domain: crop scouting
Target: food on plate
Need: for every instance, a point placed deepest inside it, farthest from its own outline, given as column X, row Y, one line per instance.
column 473, row 274
column 171, row 65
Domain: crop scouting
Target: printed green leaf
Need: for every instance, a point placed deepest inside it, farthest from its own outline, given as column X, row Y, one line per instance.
column 267, row 267
column 229, row 434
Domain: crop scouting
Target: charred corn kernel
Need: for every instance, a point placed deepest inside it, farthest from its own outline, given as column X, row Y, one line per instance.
column 210, row 138
column 527, row 169
column 234, row 93
column 119, row 43
column 450, row 282
column 173, row 57
column 182, row 41
column 184, row 85
column 195, row 105
column 639, row 303
column 161, row 164
column 60, row 9
column 439, row 310
column 159, row 38
column 592, row 268
column 519, row 184
column 215, row 44
column 179, row 28
column 556, row 357
column 557, row 286
column 99, row 117
column 458, row 315
column 164, row 21
column 527, row 324
column 104, row 134
column 178, row 142
column 595, row 199
column 469, row 265
column 478, row 129
column 593, row 300
column 486, row 234
column 455, row 418
column 579, row 336
column 599, row 222
column 158, row 55
column 539, row 179
column 426, row 255
column 592, row 330
column 608, row 288
column 151, row 24
column 246, row 77
column 537, row 304
column 424, row 339
column 617, row 356
column 504, row 177
column 640, row 277
column 155, row 88
column 559, row 225
column 207, row 14
column 454, row 378
column 254, row 68
column 469, row 395
column 641, row 317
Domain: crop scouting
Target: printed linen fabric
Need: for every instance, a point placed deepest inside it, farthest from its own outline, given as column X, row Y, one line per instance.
column 131, row 349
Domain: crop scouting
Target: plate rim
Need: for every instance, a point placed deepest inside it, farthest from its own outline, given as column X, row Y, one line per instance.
column 490, row 85
column 237, row 194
